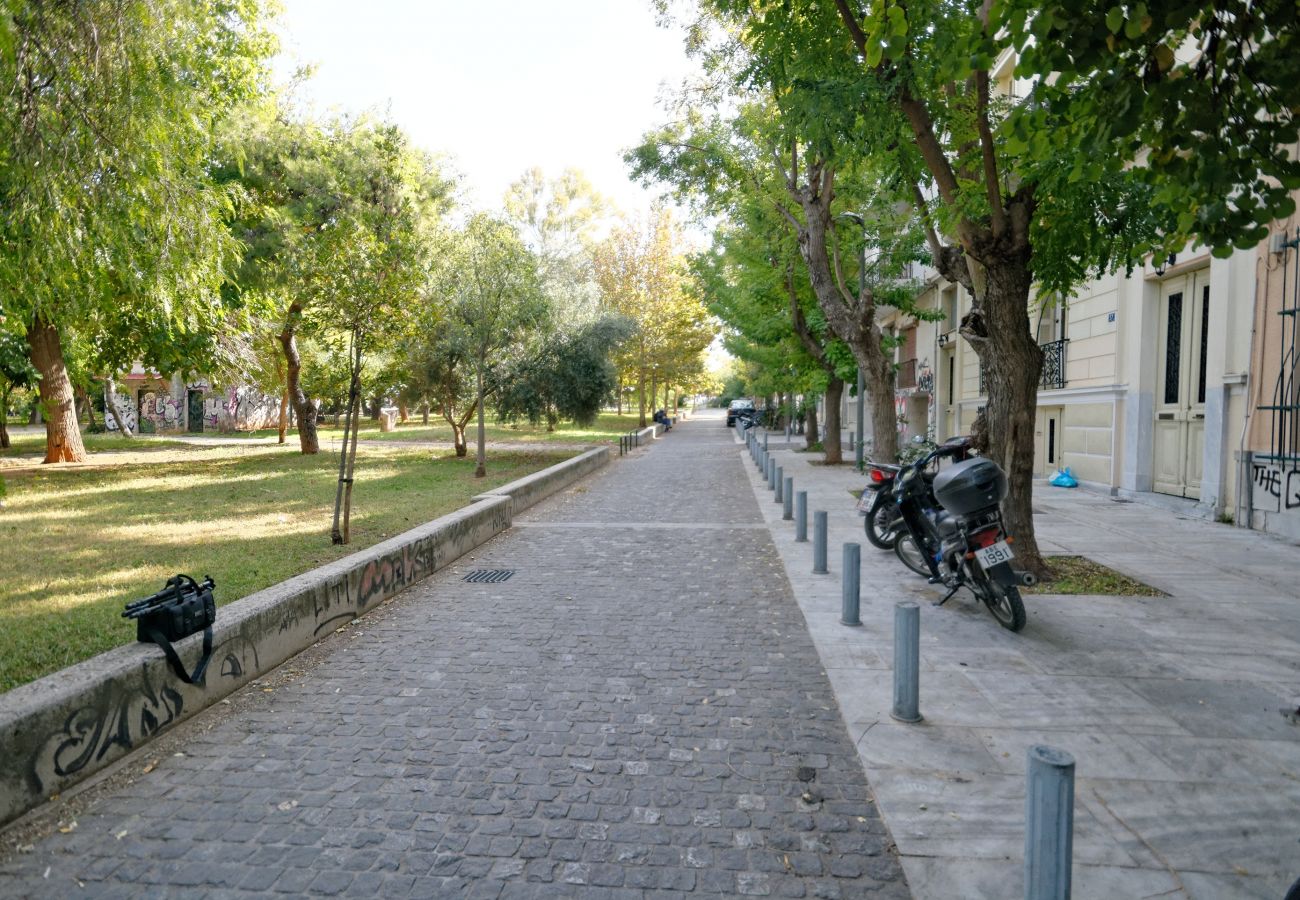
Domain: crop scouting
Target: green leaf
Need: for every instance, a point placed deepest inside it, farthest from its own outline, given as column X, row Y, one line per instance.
column 1115, row 19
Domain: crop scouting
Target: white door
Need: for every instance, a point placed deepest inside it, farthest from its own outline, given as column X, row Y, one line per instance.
column 1179, row 437
column 1049, row 434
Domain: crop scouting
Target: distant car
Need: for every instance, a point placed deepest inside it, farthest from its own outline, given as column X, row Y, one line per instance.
column 736, row 407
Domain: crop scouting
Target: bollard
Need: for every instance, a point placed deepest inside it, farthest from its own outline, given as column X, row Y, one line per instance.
column 778, row 485
column 850, row 442
column 819, row 542
column 622, row 446
column 907, row 662
column 801, row 517
column 787, row 499
column 764, row 440
column 1049, row 823
column 771, row 472
column 850, row 581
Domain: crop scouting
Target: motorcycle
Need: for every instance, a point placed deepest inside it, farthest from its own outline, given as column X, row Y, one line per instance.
column 961, row 540
column 883, row 518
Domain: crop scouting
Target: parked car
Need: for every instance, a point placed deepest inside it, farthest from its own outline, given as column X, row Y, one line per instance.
column 738, row 406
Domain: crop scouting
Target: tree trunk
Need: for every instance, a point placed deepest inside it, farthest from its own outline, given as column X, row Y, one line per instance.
column 402, row 412
column 831, row 446
column 641, row 389
column 654, row 394
column 1013, row 365
column 62, row 436
column 424, row 412
column 4, row 419
column 458, row 438
column 111, row 409
column 481, row 469
column 347, row 458
column 302, row 405
column 810, row 423
column 284, row 416
column 618, row 398
column 374, row 408
column 90, row 407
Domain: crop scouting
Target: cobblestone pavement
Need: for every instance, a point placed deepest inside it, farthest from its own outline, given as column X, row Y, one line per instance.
column 638, row 712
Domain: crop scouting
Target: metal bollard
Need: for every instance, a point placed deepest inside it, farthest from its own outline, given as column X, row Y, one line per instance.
column 771, row 472
column 801, row 517
column 778, row 485
column 850, row 586
column 819, row 542
column 787, row 499
column 1049, row 823
column 907, row 662
column 764, row 440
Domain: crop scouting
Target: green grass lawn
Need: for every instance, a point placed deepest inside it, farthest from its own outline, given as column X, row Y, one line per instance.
column 607, row 427
column 80, row 542
column 30, row 444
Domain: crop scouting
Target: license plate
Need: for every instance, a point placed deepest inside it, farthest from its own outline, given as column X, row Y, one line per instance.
column 865, row 501
column 994, row 554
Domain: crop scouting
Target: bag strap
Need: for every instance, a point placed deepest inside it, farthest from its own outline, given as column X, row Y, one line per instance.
column 174, row 659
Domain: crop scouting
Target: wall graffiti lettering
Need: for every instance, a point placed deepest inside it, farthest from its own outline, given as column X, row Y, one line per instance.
column 924, row 378
column 1274, row 488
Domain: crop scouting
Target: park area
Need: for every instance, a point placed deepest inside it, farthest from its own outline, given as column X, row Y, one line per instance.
column 248, row 513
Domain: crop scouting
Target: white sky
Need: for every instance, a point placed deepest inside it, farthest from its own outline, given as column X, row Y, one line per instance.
column 498, row 87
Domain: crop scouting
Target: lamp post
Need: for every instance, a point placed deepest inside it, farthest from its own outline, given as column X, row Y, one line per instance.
column 862, row 280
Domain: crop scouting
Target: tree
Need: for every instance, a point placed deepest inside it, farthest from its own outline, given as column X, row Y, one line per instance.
column 102, row 176
column 16, row 371
column 641, row 274
column 437, row 360
column 494, row 301
column 569, row 376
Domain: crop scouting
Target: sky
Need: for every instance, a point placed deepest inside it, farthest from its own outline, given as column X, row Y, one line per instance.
column 498, row 87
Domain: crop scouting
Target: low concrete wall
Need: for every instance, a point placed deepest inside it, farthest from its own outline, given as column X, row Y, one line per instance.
column 540, row 485
column 65, row 727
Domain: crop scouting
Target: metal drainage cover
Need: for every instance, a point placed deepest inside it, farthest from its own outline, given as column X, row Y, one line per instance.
column 489, row 576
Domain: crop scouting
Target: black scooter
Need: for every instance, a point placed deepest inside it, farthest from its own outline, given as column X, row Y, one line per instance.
column 963, row 542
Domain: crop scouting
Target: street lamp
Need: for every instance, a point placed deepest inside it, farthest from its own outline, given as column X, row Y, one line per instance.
column 856, row 219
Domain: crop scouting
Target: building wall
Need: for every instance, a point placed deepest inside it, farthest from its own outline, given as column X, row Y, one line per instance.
column 165, row 404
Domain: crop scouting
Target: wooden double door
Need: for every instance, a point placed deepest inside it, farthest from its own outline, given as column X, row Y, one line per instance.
column 1178, row 443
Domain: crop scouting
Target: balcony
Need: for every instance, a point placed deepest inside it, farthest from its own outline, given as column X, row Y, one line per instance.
column 1053, row 375
column 906, row 376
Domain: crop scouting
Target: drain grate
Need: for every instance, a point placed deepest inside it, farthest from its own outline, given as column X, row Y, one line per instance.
column 489, row 576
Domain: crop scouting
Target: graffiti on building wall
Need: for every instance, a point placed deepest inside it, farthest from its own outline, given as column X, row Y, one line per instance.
column 231, row 409
column 1275, row 488
column 924, row 377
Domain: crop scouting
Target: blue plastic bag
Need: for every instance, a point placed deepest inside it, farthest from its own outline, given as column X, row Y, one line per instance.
column 1063, row 478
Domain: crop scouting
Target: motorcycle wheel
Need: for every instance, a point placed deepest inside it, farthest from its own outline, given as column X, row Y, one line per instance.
column 910, row 554
column 876, row 524
column 1003, row 600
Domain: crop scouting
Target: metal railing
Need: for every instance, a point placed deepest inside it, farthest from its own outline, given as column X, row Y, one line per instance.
column 1053, row 374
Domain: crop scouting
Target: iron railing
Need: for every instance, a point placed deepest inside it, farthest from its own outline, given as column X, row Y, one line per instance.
column 1053, row 374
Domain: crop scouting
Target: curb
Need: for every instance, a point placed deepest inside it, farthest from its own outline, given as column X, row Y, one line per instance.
column 63, row 728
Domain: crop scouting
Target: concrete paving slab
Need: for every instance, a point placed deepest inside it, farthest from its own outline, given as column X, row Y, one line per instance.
column 1187, row 774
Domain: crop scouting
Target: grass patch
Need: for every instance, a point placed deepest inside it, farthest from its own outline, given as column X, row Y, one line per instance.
column 30, row 447
column 608, row 427
column 83, row 541
column 1080, row 575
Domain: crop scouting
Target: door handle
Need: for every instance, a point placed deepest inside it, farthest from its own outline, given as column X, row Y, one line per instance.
column 1164, row 416
column 1198, row 415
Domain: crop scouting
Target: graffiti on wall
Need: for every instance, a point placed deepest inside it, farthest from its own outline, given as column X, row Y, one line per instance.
column 1275, row 488
column 123, row 718
column 924, row 377
column 234, row 409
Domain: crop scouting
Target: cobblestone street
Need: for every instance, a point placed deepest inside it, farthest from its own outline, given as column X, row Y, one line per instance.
column 639, row 711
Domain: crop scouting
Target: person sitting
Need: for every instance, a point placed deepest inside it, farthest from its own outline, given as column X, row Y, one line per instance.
column 662, row 418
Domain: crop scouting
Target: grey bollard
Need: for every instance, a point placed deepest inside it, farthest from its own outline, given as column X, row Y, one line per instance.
column 801, row 517
column 1049, row 823
column 771, row 472
column 850, row 442
column 907, row 662
column 778, row 485
column 819, row 542
column 764, row 440
column 787, row 499
column 850, row 586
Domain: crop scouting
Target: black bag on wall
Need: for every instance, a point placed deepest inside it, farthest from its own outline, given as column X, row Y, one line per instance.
column 183, row 607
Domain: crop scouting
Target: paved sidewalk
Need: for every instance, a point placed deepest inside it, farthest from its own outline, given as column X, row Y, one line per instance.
column 1188, row 777
column 638, row 712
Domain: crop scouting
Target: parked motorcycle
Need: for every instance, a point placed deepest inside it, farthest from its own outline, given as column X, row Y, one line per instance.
column 884, row 519
column 961, row 541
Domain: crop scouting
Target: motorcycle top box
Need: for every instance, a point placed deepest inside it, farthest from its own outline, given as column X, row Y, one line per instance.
column 968, row 487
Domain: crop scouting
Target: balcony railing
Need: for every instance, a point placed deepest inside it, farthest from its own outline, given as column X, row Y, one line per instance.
column 1053, row 375
column 906, row 377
